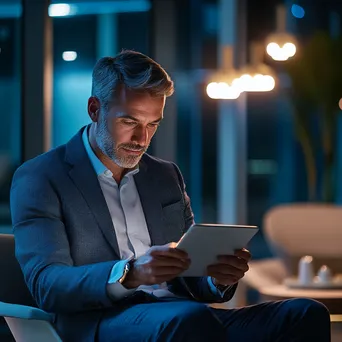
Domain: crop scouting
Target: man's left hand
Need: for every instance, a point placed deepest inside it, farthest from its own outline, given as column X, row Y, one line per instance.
column 230, row 268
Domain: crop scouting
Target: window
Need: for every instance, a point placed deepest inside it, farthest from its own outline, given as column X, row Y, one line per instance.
column 89, row 32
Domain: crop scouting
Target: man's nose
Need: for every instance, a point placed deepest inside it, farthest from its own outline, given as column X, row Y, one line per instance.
column 141, row 136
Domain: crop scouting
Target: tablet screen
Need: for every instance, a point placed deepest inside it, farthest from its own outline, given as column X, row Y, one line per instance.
column 204, row 242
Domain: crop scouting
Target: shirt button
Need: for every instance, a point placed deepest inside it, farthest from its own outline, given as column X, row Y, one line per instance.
column 108, row 173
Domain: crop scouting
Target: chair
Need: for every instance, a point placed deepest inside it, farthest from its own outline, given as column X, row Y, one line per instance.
column 26, row 322
column 295, row 230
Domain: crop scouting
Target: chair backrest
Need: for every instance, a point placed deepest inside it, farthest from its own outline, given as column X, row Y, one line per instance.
column 12, row 285
column 306, row 229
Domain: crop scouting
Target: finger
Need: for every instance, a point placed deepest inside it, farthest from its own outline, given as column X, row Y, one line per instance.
column 173, row 245
column 243, row 254
column 233, row 261
column 178, row 253
column 225, row 270
column 166, row 250
column 163, row 275
column 167, row 271
column 162, row 261
column 169, row 252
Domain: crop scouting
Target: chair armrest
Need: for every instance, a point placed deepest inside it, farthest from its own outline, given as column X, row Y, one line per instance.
column 23, row 311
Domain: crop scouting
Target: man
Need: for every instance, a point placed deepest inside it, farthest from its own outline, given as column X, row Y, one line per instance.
column 95, row 221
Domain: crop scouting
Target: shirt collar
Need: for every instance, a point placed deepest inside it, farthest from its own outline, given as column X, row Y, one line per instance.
column 98, row 166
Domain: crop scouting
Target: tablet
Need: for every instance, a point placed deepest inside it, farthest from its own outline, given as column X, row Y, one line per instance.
column 204, row 242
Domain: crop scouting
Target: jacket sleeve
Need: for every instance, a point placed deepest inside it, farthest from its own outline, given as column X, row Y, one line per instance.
column 42, row 250
column 198, row 287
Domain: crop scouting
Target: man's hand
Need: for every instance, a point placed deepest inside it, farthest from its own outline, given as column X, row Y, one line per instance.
column 157, row 265
column 230, row 268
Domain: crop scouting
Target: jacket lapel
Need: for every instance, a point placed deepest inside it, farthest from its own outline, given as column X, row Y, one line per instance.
column 85, row 179
column 148, row 193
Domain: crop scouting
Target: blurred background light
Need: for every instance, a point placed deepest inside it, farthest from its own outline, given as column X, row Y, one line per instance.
column 255, row 83
column 281, row 45
column 289, row 49
column 69, row 56
column 279, row 53
column 297, row 11
column 59, row 10
column 87, row 7
column 221, row 90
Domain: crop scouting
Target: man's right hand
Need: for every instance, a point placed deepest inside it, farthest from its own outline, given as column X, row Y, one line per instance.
column 159, row 264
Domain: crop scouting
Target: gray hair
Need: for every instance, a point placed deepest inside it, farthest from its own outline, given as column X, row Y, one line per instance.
column 132, row 70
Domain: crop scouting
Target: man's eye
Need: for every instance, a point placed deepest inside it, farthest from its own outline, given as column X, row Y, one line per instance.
column 129, row 123
column 154, row 125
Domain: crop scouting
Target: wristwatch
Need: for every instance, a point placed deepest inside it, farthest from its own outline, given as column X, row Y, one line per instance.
column 126, row 269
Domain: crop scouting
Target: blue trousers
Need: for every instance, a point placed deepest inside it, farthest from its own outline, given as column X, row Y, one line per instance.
column 293, row 320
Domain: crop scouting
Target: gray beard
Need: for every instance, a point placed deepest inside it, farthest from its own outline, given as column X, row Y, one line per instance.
column 106, row 144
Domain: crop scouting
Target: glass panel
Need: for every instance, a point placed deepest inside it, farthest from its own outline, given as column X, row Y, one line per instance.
column 90, row 31
column 10, row 42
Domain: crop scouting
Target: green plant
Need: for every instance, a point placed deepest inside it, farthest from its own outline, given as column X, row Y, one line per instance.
column 316, row 75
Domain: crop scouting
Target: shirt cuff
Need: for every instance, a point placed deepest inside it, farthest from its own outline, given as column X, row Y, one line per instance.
column 215, row 290
column 116, row 290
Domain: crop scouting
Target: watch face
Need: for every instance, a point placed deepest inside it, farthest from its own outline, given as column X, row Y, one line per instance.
column 125, row 271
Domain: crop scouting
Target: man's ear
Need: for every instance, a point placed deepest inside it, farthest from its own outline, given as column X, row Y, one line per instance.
column 93, row 108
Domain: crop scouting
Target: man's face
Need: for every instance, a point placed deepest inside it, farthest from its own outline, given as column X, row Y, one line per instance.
column 125, row 132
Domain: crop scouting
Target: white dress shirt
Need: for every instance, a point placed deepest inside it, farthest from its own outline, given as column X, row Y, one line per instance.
column 129, row 223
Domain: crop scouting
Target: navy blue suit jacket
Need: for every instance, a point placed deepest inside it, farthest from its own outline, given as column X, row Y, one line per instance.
column 65, row 240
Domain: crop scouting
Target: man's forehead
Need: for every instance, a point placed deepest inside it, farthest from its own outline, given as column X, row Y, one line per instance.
column 126, row 95
column 141, row 106
column 132, row 100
